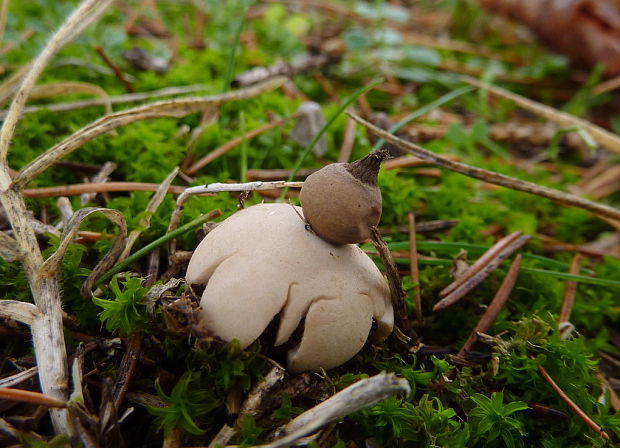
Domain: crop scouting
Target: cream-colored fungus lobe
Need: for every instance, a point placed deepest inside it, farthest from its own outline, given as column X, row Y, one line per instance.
column 262, row 261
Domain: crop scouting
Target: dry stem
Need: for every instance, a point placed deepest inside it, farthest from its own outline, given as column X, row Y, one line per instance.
column 46, row 326
column 600, row 210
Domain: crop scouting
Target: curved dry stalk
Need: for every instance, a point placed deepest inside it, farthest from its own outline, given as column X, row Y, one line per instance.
column 46, row 327
column 169, row 108
column 51, row 266
column 600, row 210
column 81, row 17
column 71, row 87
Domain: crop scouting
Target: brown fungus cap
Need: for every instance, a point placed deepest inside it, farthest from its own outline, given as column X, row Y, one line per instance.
column 341, row 201
column 262, row 262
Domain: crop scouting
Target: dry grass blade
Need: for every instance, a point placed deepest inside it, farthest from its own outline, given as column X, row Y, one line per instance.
column 19, row 377
column 602, row 136
column 346, row 148
column 81, row 17
column 151, row 208
column 495, row 306
column 28, row 396
column 570, row 291
column 600, row 210
column 474, row 281
column 23, row 312
column 46, row 327
column 571, row 404
column 358, row 396
column 168, row 108
column 480, row 263
column 70, row 88
column 118, row 99
column 52, row 264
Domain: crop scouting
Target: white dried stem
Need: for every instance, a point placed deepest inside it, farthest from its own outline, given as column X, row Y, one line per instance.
column 169, row 108
column 66, row 211
column 100, row 177
column 358, row 396
column 19, row 377
column 220, row 188
column 151, row 208
column 23, row 312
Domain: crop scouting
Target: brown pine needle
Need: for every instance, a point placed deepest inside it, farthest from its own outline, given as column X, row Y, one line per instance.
column 571, row 404
column 28, row 396
column 474, row 281
column 75, row 189
column 600, row 210
column 570, row 291
column 415, row 274
column 236, row 142
column 480, row 263
column 496, row 305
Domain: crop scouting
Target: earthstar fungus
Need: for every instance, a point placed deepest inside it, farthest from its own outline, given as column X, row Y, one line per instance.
column 342, row 201
column 262, row 263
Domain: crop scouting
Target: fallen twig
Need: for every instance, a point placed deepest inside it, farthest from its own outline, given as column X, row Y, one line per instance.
column 601, row 210
column 359, row 395
column 495, row 306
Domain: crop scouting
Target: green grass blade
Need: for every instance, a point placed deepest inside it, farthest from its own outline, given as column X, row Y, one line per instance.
column 153, row 245
column 346, row 103
column 424, row 110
